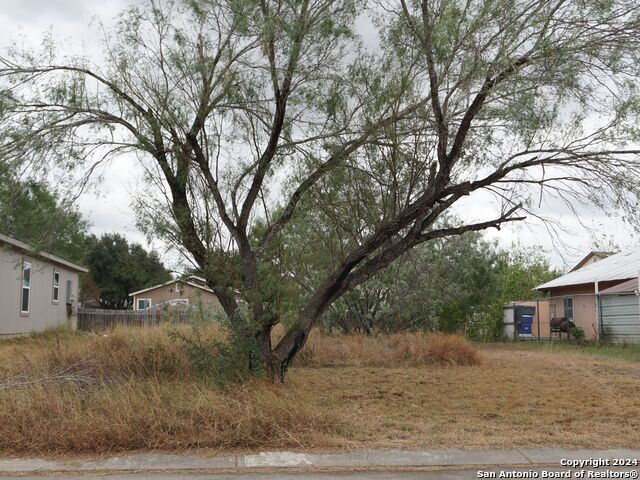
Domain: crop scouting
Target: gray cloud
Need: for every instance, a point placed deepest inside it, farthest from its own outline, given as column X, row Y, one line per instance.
column 37, row 11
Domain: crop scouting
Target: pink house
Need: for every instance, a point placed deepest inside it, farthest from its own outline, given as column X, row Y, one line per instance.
column 596, row 280
column 193, row 290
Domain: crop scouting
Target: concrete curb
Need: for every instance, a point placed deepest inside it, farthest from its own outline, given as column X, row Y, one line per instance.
column 362, row 459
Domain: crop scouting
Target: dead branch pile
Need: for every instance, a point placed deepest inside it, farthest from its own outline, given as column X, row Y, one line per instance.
column 79, row 373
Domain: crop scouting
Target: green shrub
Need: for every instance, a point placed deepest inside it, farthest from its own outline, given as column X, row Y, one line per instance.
column 232, row 357
column 577, row 333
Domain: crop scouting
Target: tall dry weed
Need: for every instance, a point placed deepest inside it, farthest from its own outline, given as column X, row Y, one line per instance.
column 133, row 415
column 402, row 349
column 121, row 353
column 135, row 388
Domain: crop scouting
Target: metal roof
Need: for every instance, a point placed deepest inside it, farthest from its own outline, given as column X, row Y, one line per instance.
column 630, row 286
column 17, row 244
column 621, row 266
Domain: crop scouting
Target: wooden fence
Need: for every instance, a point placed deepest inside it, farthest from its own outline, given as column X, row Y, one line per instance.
column 90, row 319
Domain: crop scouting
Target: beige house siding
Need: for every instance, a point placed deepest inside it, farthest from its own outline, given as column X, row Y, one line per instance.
column 584, row 305
column 592, row 257
column 590, row 260
column 43, row 313
column 177, row 291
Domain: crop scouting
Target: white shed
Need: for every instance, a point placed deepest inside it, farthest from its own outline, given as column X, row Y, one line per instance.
column 620, row 313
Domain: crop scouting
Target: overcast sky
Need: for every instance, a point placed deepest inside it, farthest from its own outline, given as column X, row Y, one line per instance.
column 74, row 23
column 110, row 211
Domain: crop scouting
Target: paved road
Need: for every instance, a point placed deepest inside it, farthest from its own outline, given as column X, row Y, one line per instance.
column 435, row 475
column 442, row 464
column 384, row 460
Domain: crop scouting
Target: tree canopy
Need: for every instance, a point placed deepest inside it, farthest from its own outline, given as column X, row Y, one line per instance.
column 457, row 284
column 31, row 213
column 241, row 110
column 118, row 268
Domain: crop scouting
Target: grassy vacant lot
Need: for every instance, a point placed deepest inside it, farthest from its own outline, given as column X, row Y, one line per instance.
column 630, row 352
column 135, row 389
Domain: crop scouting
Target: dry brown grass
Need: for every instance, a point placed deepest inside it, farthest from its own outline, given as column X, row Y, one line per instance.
column 133, row 415
column 147, row 397
column 513, row 399
column 144, row 395
column 401, row 349
column 150, row 353
column 121, row 353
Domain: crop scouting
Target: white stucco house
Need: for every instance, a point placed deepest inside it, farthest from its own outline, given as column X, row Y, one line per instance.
column 38, row 291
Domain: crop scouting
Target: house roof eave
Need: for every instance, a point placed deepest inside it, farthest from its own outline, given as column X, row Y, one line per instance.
column 618, row 267
column 21, row 246
column 206, row 289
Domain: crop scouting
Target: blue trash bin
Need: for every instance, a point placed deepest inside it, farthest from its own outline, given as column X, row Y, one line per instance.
column 524, row 327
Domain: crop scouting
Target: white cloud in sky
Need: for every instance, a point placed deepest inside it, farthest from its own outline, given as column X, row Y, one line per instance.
column 109, row 208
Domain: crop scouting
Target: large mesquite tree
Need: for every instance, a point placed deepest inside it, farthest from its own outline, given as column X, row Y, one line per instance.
column 240, row 109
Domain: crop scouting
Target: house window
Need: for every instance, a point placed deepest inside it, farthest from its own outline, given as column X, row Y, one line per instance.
column 56, row 286
column 568, row 307
column 26, row 287
column 144, row 303
column 69, row 297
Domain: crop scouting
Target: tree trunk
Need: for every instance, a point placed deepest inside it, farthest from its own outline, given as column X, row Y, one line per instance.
column 263, row 338
column 298, row 334
column 286, row 351
column 297, row 337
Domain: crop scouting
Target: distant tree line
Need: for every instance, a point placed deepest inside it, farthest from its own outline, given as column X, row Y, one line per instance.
column 117, row 268
column 456, row 284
